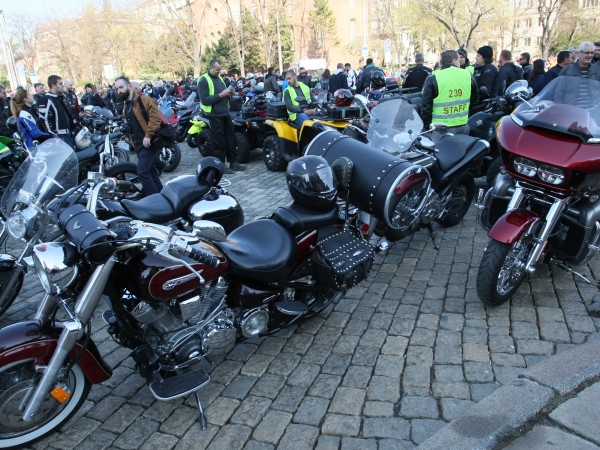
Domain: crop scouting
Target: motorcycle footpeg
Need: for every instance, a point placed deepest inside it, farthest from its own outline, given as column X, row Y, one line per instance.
column 293, row 308
column 179, row 385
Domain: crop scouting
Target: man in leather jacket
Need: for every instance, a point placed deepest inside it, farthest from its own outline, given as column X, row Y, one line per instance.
column 486, row 74
column 55, row 113
column 446, row 96
column 415, row 77
column 508, row 73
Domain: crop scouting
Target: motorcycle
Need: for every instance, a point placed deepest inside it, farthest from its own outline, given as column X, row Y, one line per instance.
column 198, row 133
column 426, row 182
column 250, row 125
column 543, row 206
column 12, row 154
column 177, row 299
column 182, row 201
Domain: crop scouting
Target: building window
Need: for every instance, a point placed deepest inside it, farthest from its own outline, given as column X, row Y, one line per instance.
column 352, row 30
column 527, row 42
column 351, row 4
column 590, row 3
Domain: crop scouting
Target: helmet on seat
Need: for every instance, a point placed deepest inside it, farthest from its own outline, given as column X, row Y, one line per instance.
column 210, row 170
column 343, row 97
column 377, row 79
column 311, row 182
column 83, row 139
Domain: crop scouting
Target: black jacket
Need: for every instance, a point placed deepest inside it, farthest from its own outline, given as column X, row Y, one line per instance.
column 55, row 114
column 415, row 77
column 487, row 75
column 431, row 91
column 5, row 113
column 338, row 81
column 507, row 74
column 364, row 79
column 220, row 105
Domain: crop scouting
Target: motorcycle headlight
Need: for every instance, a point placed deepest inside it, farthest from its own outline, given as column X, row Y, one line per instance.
column 56, row 265
column 525, row 166
column 551, row 174
column 21, row 223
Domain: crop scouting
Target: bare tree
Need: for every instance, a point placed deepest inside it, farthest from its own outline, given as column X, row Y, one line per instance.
column 460, row 17
column 548, row 14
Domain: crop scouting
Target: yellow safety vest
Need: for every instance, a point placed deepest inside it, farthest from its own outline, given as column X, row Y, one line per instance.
column 470, row 69
column 451, row 106
column 211, row 91
column 292, row 90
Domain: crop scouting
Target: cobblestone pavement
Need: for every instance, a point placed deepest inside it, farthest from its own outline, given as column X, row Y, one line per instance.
column 389, row 365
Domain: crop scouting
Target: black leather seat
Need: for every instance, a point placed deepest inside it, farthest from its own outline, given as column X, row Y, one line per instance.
column 297, row 218
column 262, row 250
column 175, row 198
column 453, row 149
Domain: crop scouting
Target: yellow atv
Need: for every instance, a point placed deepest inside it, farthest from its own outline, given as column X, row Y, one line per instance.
column 290, row 140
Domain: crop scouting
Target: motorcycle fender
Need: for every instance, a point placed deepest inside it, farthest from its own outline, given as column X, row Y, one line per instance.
column 195, row 129
column 283, row 130
column 32, row 340
column 512, row 225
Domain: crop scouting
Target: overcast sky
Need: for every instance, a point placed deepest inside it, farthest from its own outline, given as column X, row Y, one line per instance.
column 41, row 8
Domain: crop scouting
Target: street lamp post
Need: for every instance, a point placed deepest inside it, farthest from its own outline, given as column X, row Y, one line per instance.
column 8, row 56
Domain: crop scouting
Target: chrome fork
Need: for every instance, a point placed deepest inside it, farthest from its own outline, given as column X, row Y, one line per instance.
column 72, row 331
column 540, row 242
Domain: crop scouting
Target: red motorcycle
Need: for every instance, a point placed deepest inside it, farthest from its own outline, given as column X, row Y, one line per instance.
column 544, row 206
column 176, row 298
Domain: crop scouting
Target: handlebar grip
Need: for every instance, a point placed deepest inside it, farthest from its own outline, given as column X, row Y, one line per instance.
column 124, row 183
column 202, row 257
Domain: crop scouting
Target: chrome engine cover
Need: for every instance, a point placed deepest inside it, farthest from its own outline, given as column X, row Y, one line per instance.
column 219, row 338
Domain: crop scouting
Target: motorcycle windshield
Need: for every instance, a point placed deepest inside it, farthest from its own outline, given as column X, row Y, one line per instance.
column 569, row 105
column 394, row 126
column 50, row 170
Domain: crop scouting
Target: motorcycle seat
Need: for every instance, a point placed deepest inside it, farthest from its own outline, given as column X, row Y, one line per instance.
column 88, row 153
column 297, row 218
column 175, row 198
column 261, row 250
column 453, row 148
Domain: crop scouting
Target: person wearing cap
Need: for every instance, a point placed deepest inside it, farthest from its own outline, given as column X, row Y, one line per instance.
column 415, row 77
column 463, row 59
column 486, row 74
column 447, row 94
column 509, row 72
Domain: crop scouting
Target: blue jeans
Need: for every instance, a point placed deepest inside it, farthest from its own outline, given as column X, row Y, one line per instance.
column 301, row 118
column 147, row 171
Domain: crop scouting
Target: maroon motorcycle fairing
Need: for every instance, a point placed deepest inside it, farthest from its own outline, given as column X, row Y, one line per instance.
column 35, row 340
column 512, row 225
column 581, row 161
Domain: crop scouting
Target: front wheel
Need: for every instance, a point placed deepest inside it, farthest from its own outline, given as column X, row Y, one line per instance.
column 272, row 153
column 16, row 381
column 463, row 191
column 502, row 270
column 171, row 157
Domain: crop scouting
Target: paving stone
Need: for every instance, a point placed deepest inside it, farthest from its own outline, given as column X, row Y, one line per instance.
column 547, row 437
column 421, row 429
column 257, row 365
column 268, row 386
column 454, row 407
column 337, row 364
column 239, row 387
column 365, row 356
column 328, row 442
column 325, row 386
column 106, row 407
column 386, row 427
column 395, row 345
column 476, row 352
column 378, row 409
column 284, row 364
column 75, row 432
column 256, row 445
column 419, row 376
column 554, row 331
column 383, row 389
column 311, row 411
column 373, row 338
column 389, row 366
column 359, row 444
column 580, row 413
column 122, row 418
column 230, row 437
column 137, row 433
column 98, row 440
column 298, row 436
column 347, row 400
column 161, row 441
column 341, row 425
column 451, row 389
column 478, row 372
column 418, row 407
column 197, row 438
column 180, row 421
column 448, row 354
column 251, row 410
column 289, row 398
column 357, row 376
column 221, row 410
column 272, row 427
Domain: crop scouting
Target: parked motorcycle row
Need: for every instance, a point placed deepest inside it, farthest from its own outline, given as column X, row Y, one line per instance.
column 186, row 278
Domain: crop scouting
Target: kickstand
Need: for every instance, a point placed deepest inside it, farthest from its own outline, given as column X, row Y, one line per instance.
column 432, row 234
column 203, row 423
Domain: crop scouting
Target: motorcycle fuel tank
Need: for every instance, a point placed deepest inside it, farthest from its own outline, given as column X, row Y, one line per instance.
column 162, row 279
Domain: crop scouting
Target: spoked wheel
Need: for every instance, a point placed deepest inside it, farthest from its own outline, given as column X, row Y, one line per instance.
column 7, row 297
column 171, row 156
column 462, row 195
column 502, row 270
column 17, row 379
column 126, row 172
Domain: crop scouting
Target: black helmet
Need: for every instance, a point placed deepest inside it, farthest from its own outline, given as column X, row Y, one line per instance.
column 377, row 79
column 210, row 170
column 311, row 182
column 343, row 97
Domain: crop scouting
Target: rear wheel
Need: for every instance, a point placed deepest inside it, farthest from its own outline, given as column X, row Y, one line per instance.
column 243, row 147
column 16, row 381
column 462, row 195
column 272, row 154
column 171, row 156
column 502, row 270
column 7, row 297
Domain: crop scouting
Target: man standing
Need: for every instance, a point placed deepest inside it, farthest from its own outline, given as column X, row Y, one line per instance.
column 40, row 91
column 214, row 101
column 71, row 99
column 5, row 112
column 447, row 94
column 577, row 91
column 596, row 59
column 338, row 80
column 55, row 113
column 563, row 59
column 142, row 114
column 351, row 75
column 415, row 77
column 91, row 97
column 297, row 98
column 526, row 65
column 509, row 72
column 364, row 79
column 486, row 73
